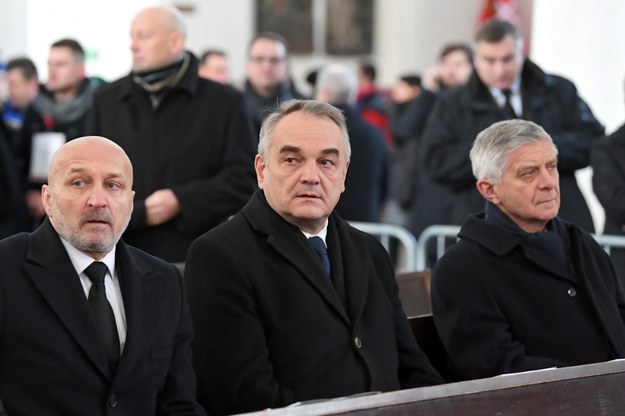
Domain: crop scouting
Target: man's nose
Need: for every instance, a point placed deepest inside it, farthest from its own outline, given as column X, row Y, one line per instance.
column 97, row 197
column 310, row 172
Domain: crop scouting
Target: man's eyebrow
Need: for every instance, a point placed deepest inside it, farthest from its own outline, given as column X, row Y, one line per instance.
column 290, row 149
column 330, row 151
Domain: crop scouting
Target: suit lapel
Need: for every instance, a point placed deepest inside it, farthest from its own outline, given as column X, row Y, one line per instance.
column 356, row 267
column 52, row 272
column 290, row 243
column 140, row 286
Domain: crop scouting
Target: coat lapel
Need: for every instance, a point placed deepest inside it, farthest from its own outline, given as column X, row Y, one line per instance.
column 290, row 243
column 141, row 291
column 356, row 267
column 52, row 272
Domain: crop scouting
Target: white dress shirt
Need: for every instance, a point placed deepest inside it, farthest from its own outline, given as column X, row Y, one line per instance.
column 81, row 261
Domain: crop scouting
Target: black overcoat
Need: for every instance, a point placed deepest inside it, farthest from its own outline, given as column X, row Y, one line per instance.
column 51, row 362
column 198, row 143
column 499, row 307
column 270, row 327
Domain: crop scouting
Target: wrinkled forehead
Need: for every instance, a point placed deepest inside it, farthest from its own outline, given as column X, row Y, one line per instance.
column 79, row 155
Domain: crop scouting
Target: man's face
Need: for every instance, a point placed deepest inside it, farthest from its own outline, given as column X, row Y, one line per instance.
column 529, row 192
column 22, row 91
column 498, row 64
column 215, row 68
column 455, row 68
column 403, row 92
column 89, row 197
column 266, row 67
column 65, row 70
column 304, row 174
column 155, row 42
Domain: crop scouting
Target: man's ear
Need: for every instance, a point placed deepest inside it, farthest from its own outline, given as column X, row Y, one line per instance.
column 259, row 166
column 487, row 189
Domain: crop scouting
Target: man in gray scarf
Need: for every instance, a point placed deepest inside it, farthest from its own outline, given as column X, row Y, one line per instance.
column 60, row 107
column 189, row 139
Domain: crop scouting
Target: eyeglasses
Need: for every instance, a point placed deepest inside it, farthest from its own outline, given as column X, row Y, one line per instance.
column 273, row 60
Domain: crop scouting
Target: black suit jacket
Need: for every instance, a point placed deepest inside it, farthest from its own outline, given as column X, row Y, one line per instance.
column 272, row 329
column 50, row 360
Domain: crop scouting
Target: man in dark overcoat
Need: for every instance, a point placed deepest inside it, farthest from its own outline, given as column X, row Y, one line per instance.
column 189, row 139
column 524, row 289
column 280, row 318
column 459, row 115
column 73, row 346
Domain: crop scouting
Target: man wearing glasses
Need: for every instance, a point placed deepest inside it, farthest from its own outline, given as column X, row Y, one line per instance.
column 267, row 76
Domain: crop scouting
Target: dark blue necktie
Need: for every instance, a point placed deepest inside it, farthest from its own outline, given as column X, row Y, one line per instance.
column 320, row 248
column 102, row 311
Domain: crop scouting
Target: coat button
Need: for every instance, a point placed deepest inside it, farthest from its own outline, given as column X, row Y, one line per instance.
column 572, row 292
column 113, row 401
column 357, row 342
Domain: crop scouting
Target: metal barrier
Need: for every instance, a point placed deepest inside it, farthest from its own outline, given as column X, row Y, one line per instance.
column 442, row 232
column 406, row 259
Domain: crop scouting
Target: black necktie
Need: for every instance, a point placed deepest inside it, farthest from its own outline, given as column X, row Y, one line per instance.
column 102, row 311
column 320, row 248
column 508, row 110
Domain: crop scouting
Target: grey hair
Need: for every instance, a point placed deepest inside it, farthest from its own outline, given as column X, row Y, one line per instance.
column 311, row 107
column 489, row 153
column 340, row 82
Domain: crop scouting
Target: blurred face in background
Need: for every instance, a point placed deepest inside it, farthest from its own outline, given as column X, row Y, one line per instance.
column 455, row 69
column 267, row 66
column 156, row 40
column 22, row 91
column 498, row 64
column 215, row 68
column 403, row 92
column 65, row 71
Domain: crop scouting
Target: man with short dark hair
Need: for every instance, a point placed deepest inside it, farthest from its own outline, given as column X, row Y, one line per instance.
column 280, row 317
column 506, row 85
column 523, row 289
column 214, row 66
column 60, row 107
column 23, row 88
column 267, row 81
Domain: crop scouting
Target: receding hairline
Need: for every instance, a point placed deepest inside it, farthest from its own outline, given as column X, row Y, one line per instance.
column 166, row 14
column 57, row 158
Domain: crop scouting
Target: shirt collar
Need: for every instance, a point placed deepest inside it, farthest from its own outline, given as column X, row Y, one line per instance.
column 321, row 234
column 81, row 261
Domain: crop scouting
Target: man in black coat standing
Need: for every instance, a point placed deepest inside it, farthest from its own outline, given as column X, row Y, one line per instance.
column 524, row 289
column 289, row 302
column 190, row 139
column 506, row 85
column 367, row 178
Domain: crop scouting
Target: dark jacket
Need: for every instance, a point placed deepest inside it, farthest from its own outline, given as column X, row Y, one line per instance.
column 407, row 125
column 260, row 107
column 607, row 157
column 13, row 214
column 367, row 176
column 51, row 361
column 460, row 114
column 271, row 327
column 198, row 143
column 501, row 306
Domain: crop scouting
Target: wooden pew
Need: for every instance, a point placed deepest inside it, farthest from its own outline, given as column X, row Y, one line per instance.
column 594, row 389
